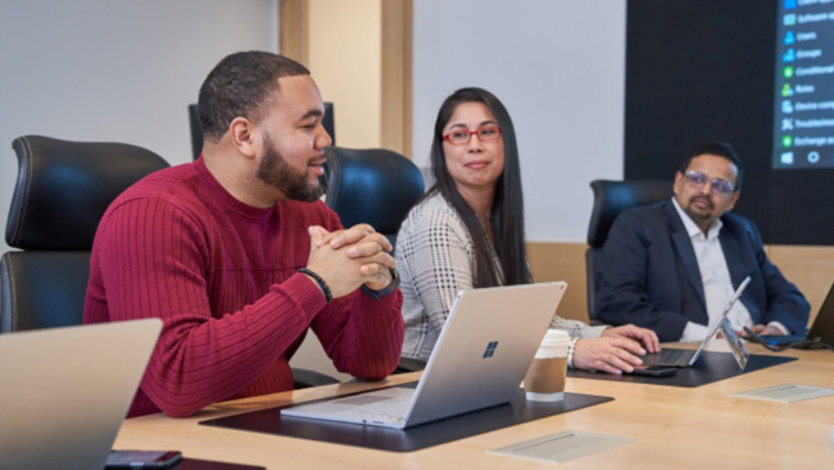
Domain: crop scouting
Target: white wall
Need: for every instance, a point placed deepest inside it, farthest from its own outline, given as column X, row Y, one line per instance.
column 115, row 70
column 558, row 67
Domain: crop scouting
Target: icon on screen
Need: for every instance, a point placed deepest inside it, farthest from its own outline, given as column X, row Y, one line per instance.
column 787, row 141
column 787, row 124
column 789, row 55
column 790, row 38
column 790, row 4
column 787, row 72
column 789, row 19
column 787, row 158
column 813, row 157
column 787, row 106
column 787, row 90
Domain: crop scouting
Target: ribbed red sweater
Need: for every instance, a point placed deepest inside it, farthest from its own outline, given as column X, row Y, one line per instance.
column 223, row 277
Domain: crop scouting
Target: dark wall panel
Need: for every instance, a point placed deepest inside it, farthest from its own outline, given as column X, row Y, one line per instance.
column 703, row 70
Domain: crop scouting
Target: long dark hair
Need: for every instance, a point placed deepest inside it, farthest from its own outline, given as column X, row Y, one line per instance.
column 507, row 214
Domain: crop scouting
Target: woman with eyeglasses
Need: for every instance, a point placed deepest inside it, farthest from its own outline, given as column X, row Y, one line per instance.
column 468, row 231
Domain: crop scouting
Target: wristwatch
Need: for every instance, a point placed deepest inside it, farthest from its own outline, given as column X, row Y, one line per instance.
column 391, row 287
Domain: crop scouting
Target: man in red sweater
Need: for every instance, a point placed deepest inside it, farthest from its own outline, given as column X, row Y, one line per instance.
column 238, row 257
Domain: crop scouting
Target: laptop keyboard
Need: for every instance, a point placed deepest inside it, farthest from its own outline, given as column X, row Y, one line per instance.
column 678, row 357
column 392, row 409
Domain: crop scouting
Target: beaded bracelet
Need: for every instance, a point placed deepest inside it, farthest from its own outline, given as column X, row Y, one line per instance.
column 328, row 296
column 571, row 349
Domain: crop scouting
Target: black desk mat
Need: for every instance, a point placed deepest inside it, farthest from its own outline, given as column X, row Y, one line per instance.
column 197, row 464
column 517, row 411
column 712, row 366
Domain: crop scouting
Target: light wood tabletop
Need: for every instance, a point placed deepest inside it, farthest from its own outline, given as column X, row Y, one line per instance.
column 672, row 427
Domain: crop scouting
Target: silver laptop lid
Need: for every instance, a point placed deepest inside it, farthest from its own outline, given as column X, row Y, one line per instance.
column 484, row 349
column 66, row 391
column 715, row 324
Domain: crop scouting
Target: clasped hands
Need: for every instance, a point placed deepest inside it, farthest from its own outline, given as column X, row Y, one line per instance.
column 348, row 258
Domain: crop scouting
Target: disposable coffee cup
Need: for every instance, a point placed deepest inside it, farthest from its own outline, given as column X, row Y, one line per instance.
column 545, row 379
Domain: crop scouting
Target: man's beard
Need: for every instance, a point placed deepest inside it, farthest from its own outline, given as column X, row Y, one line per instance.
column 276, row 172
column 699, row 215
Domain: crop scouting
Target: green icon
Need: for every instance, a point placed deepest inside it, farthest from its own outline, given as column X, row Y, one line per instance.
column 787, row 141
column 787, row 72
column 787, row 90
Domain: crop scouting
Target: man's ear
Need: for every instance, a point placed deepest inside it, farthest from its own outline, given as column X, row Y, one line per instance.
column 733, row 200
column 678, row 182
column 245, row 136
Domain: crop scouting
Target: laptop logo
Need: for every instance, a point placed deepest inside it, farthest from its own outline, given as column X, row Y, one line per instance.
column 490, row 349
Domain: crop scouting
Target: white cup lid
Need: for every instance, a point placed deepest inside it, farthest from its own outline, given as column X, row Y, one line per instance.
column 554, row 344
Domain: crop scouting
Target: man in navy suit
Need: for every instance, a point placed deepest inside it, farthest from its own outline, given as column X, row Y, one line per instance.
column 672, row 266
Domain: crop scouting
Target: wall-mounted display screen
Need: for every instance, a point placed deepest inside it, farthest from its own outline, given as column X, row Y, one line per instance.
column 756, row 73
column 803, row 115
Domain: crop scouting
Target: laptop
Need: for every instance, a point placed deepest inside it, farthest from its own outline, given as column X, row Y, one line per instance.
column 822, row 331
column 480, row 359
column 66, row 391
column 687, row 357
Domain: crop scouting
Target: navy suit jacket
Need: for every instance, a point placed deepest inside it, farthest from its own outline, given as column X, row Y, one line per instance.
column 647, row 274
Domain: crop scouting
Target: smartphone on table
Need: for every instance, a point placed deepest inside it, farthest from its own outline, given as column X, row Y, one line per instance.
column 143, row 459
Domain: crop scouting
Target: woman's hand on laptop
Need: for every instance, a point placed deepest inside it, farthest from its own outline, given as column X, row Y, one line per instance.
column 614, row 355
column 644, row 336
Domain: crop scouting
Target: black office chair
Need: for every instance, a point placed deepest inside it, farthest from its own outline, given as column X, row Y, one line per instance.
column 377, row 187
column 62, row 190
column 374, row 186
column 196, row 128
column 611, row 198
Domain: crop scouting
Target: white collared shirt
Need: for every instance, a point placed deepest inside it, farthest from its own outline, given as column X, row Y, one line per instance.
column 715, row 276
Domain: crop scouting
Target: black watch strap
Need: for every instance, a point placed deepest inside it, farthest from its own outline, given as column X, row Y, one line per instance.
column 391, row 287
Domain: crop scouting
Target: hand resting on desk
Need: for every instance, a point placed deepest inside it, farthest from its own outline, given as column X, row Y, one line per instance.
column 762, row 330
column 616, row 350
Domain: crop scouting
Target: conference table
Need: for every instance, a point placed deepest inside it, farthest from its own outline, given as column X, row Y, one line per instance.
column 670, row 427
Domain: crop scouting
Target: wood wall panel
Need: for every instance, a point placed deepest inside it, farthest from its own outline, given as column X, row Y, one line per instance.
column 293, row 30
column 811, row 268
column 562, row 262
column 396, row 76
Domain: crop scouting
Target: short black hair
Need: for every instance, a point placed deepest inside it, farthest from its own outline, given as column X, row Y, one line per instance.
column 721, row 149
column 238, row 86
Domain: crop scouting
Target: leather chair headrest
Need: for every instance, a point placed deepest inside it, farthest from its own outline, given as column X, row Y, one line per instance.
column 613, row 197
column 63, row 189
column 374, row 186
